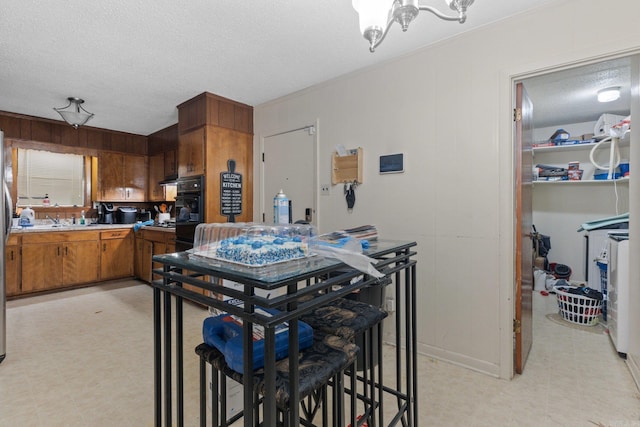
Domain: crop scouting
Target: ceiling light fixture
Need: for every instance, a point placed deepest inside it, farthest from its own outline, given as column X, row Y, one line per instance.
column 609, row 94
column 77, row 116
column 376, row 16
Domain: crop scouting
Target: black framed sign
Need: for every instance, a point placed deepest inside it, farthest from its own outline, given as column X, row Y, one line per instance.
column 230, row 192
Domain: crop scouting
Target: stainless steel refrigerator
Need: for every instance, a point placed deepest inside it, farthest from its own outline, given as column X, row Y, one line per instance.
column 5, row 226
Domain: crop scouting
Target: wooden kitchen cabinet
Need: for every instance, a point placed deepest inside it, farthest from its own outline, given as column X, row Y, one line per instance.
column 59, row 259
column 111, row 177
column 170, row 164
column 13, row 266
column 150, row 242
column 135, row 178
column 191, row 148
column 122, row 177
column 80, row 263
column 144, row 253
column 116, row 254
column 156, row 174
column 41, row 266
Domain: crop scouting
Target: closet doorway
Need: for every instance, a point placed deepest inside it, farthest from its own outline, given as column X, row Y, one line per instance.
column 565, row 104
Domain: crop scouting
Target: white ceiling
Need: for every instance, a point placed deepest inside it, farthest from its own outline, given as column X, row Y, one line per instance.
column 570, row 96
column 133, row 61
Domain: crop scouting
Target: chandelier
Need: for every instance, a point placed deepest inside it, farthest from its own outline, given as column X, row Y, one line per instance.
column 76, row 116
column 376, row 16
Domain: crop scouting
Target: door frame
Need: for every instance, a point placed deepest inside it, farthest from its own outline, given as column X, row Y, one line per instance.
column 261, row 193
column 507, row 212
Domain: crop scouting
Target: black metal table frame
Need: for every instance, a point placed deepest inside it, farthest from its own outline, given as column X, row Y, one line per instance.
column 395, row 261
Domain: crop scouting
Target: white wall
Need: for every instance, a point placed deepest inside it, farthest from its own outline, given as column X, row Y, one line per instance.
column 448, row 107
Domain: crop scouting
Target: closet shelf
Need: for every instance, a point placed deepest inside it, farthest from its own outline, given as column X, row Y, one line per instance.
column 585, row 181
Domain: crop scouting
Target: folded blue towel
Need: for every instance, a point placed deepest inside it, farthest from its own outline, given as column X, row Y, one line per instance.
column 139, row 225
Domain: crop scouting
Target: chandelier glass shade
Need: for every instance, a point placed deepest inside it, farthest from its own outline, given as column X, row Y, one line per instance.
column 377, row 16
column 76, row 115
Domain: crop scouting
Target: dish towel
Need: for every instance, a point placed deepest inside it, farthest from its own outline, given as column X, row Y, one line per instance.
column 139, row 225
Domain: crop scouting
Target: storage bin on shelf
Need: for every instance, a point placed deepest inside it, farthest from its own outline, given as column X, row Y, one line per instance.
column 578, row 309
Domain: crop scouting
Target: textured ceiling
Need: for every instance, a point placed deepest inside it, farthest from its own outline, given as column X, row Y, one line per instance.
column 570, row 96
column 133, row 61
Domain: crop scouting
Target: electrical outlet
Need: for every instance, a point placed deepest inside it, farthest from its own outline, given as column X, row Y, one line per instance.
column 390, row 304
column 324, row 189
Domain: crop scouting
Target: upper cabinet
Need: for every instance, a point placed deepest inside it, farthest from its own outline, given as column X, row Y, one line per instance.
column 163, row 166
column 121, row 178
column 198, row 113
column 209, row 109
column 191, row 153
column 170, row 164
column 216, row 139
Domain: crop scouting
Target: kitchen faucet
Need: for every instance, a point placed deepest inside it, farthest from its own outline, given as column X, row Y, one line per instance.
column 55, row 221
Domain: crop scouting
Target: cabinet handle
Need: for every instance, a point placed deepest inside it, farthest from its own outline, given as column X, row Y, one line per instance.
column 104, row 247
column 11, row 255
column 66, row 250
column 58, row 250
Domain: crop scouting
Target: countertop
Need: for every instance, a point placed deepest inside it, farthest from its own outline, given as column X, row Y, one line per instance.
column 40, row 228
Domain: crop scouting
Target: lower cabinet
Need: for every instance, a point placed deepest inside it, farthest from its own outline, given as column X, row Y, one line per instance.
column 41, row 266
column 143, row 255
column 56, row 260
column 80, row 263
column 116, row 254
column 13, row 266
column 43, row 261
column 148, row 244
column 154, row 242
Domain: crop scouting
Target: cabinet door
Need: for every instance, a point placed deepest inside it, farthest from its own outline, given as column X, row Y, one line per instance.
column 41, row 267
column 144, row 252
column 158, row 249
column 170, row 164
column 135, row 178
column 191, row 153
column 116, row 258
column 111, row 177
column 80, row 263
column 13, row 264
column 156, row 174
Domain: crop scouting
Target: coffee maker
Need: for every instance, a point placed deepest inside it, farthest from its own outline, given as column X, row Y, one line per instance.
column 106, row 213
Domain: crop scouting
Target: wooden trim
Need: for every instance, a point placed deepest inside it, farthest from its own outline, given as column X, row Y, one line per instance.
column 60, row 134
column 214, row 110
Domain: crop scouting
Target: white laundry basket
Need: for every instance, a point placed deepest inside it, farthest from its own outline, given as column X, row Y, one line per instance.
column 578, row 309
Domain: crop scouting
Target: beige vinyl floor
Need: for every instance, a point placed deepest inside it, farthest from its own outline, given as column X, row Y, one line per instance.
column 84, row 358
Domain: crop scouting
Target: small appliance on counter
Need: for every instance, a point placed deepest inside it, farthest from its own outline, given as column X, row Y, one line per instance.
column 144, row 215
column 126, row 215
column 105, row 215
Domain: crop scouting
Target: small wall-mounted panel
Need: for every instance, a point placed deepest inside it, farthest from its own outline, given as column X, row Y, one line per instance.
column 392, row 163
column 347, row 168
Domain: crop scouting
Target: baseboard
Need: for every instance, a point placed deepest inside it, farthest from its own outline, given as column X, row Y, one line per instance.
column 633, row 362
column 465, row 361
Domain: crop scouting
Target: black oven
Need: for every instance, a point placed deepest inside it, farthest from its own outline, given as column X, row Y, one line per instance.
column 189, row 210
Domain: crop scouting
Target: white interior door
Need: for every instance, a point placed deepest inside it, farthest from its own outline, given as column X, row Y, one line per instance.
column 289, row 163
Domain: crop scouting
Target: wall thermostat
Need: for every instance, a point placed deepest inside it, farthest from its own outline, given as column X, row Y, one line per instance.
column 392, row 163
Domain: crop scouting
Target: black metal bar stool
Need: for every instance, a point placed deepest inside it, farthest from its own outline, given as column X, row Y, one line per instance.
column 325, row 360
column 358, row 322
